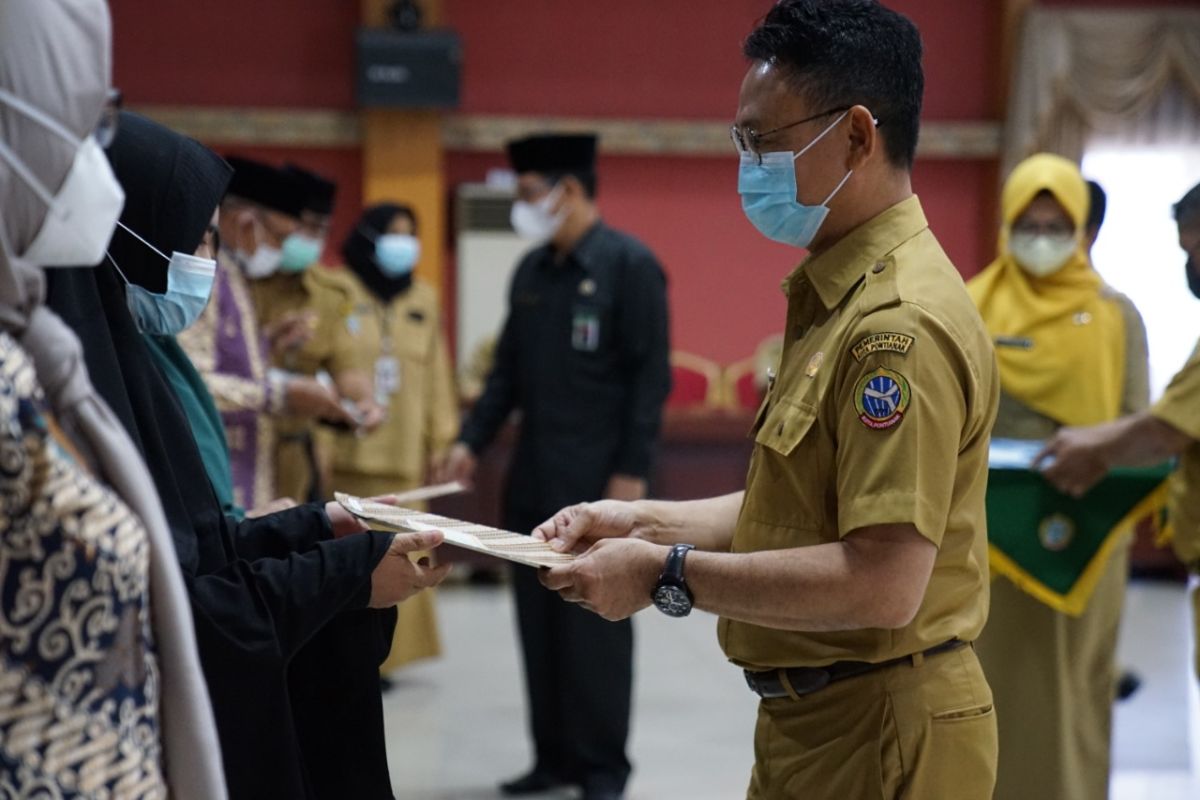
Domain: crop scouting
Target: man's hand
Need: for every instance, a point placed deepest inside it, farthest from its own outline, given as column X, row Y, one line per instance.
column 396, row 578
column 291, row 331
column 1080, row 459
column 308, row 397
column 576, row 527
column 276, row 505
column 625, row 487
column 458, row 464
column 614, row 579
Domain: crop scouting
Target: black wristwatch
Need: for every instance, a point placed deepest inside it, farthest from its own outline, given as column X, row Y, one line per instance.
column 671, row 595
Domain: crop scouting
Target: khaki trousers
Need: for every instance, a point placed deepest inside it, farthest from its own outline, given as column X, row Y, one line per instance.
column 923, row 730
column 416, row 636
column 1054, row 679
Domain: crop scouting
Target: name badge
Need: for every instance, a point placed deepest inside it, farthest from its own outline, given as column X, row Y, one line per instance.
column 387, row 379
column 585, row 330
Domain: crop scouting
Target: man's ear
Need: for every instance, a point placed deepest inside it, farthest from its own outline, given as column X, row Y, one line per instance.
column 246, row 239
column 863, row 134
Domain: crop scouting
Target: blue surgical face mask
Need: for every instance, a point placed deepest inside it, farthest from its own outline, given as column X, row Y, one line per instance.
column 299, row 252
column 768, row 193
column 189, row 284
column 397, row 254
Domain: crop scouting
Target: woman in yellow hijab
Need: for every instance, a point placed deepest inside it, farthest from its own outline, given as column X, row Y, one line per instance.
column 1072, row 352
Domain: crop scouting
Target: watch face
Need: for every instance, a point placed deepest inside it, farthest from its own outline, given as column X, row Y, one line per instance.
column 673, row 601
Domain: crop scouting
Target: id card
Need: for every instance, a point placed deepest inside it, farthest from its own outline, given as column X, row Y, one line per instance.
column 387, row 378
column 585, row 330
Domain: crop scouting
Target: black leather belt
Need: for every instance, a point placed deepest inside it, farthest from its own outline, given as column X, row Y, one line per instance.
column 774, row 683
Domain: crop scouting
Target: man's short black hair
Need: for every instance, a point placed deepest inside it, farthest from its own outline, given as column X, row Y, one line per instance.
column 841, row 53
column 1187, row 210
column 1097, row 205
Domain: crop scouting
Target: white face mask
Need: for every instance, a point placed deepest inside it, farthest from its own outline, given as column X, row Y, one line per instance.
column 79, row 219
column 536, row 221
column 263, row 262
column 1041, row 255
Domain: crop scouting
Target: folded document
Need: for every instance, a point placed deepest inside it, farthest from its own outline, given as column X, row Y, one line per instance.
column 468, row 535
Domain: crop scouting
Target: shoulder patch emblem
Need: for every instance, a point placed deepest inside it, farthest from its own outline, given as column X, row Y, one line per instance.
column 881, row 399
column 880, row 342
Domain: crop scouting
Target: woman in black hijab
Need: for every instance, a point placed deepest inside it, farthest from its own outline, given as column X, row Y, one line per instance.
column 289, row 650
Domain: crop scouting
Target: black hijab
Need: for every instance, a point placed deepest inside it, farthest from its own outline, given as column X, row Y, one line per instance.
column 152, row 163
column 172, row 186
column 359, row 250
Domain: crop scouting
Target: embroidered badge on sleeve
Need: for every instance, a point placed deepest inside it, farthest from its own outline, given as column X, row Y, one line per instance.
column 881, row 398
column 880, row 342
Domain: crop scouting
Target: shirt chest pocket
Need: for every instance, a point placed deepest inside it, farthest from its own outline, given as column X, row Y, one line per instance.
column 412, row 338
column 787, row 484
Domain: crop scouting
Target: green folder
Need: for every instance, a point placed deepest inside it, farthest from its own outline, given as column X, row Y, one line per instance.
column 1053, row 546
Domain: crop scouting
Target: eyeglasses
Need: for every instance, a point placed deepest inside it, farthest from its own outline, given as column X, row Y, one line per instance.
column 748, row 142
column 110, row 119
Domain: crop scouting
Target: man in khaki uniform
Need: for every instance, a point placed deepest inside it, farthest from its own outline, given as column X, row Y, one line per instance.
column 305, row 307
column 851, row 574
column 1171, row 427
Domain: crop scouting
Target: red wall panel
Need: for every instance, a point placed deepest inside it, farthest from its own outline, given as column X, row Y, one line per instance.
column 678, row 58
column 235, row 52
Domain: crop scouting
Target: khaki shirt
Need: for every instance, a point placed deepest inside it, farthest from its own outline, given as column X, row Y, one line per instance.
column 422, row 408
column 1180, row 407
column 881, row 413
column 333, row 347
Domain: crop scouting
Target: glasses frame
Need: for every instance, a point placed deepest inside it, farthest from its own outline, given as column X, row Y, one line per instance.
column 110, row 119
column 748, row 143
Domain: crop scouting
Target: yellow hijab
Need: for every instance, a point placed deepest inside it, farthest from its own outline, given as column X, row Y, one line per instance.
column 1059, row 339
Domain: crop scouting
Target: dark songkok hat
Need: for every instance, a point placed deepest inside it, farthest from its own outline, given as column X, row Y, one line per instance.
column 269, row 187
column 551, row 153
column 320, row 193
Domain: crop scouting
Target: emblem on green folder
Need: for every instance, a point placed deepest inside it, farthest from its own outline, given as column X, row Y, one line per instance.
column 1056, row 532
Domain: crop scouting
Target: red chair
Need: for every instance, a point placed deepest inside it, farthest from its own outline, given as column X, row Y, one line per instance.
column 695, row 382
column 744, row 383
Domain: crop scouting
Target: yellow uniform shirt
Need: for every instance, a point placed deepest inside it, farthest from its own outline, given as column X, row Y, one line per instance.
column 413, row 379
column 1180, row 407
column 881, row 413
column 330, row 295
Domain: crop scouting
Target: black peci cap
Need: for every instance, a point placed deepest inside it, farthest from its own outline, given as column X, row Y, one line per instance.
column 551, row 153
column 321, row 192
column 267, row 186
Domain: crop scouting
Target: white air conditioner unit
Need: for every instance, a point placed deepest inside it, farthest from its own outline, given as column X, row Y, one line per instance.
column 488, row 252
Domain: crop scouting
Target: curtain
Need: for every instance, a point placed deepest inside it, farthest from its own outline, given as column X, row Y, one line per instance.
column 1079, row 74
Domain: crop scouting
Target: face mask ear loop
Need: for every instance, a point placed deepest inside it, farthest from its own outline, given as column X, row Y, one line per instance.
column 838, row 188
column 113, row 261
column 126, row 228
column 29, row 179
column 34, row 113
column 820, row 135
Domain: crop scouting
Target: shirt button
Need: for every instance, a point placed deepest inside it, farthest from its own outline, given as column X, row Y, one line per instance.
column 879, row 267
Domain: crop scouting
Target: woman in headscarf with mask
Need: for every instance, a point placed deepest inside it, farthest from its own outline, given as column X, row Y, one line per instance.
column 284, row 605
column 1071, row 351
column 396, row 319
column 99, row 676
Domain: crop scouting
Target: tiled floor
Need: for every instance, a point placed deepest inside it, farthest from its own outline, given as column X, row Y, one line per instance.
column 456, row 725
